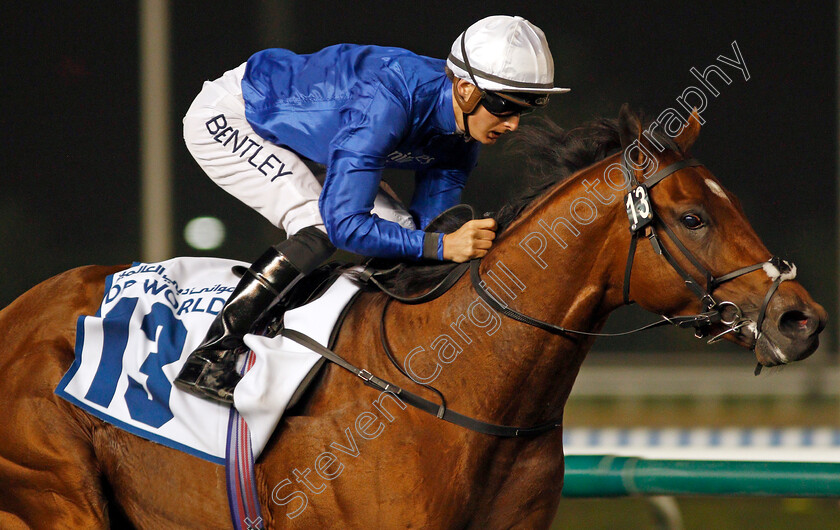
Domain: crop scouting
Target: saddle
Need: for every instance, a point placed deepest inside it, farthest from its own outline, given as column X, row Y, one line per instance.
column 394, row 277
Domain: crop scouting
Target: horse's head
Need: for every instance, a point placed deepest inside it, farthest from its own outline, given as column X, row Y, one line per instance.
column 759, row 307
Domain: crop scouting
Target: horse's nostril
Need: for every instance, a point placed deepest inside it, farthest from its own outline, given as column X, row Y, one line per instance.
column 795, row 323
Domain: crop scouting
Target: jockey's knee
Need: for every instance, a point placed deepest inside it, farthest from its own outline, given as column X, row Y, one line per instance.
column 307, row 249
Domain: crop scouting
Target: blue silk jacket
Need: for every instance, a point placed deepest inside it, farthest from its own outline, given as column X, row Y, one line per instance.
column 359, row 109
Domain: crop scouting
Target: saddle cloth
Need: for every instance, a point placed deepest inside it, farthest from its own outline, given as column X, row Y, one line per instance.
column 151, row 317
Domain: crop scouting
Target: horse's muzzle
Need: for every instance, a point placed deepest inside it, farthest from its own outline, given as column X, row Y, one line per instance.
column 793, row 334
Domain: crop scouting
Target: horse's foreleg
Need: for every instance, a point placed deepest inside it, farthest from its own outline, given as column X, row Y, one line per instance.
column 49, row 476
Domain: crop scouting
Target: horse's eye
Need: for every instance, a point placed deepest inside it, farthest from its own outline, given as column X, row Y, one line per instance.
column 692, row 221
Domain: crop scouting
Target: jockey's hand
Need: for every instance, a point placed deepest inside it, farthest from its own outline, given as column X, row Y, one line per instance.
column 472, row 240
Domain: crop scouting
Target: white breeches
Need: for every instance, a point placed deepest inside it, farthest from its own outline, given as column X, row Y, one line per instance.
column 270, row 179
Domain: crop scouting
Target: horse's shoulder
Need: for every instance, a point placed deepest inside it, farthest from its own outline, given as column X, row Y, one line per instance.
column 38, row 329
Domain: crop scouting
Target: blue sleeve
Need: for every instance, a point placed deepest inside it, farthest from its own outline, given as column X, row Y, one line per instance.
column 373, row 122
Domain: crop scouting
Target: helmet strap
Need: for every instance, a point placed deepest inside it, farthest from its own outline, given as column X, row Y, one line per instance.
column 469, row 105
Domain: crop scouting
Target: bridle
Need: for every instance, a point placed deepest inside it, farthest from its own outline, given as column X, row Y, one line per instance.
column 641, row 215
column 712, row 309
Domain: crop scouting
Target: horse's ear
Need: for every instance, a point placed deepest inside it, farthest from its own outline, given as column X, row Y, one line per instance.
column 685, row 139
column 629, row 126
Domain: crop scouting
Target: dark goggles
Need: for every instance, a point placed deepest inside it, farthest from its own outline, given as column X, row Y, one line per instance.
column 505, row 104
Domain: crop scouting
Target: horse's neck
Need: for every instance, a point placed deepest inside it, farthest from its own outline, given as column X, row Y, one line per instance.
column 553, row 265
column 565, row 246
column 564, row 252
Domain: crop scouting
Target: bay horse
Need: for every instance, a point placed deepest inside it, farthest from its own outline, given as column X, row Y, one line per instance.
column 355, row 457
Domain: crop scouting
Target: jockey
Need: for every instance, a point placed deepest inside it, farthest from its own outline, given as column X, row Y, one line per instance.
column 356, row 110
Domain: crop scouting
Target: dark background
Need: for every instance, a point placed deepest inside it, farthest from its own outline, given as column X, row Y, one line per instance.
column 70, row 140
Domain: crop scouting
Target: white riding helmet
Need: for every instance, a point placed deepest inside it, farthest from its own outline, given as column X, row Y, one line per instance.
column 504, row 53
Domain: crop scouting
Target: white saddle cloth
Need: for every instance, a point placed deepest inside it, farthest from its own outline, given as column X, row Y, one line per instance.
column 151, row 318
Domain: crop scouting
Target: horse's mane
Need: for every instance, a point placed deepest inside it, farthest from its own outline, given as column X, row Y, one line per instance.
column 551, row 156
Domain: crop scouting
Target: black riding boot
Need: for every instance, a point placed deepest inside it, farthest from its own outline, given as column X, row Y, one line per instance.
column 210, row 371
